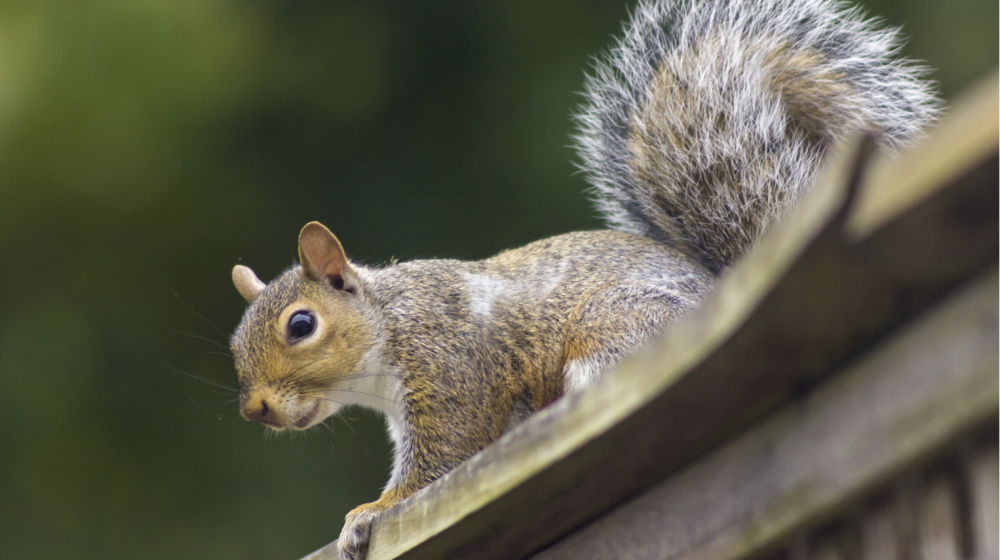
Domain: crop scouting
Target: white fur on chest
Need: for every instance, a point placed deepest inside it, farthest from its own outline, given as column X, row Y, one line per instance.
column 379, row 386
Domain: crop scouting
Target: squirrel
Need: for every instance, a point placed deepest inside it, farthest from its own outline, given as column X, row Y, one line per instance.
column 702, row 126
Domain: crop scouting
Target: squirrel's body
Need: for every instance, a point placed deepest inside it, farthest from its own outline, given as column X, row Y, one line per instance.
column 707, row 122
column 486, row 343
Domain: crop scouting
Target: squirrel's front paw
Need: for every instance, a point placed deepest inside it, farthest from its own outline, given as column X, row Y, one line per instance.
column 353, row 542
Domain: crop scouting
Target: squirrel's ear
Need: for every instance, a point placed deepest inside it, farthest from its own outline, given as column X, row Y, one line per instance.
column 247, row 283
column 322, row 256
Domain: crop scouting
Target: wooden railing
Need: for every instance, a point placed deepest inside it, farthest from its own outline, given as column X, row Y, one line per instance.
column 836, row 397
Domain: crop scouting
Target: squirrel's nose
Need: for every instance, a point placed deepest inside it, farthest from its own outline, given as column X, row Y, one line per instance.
column 257, row 410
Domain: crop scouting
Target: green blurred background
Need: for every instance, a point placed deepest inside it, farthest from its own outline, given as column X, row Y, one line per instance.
column 147, row 146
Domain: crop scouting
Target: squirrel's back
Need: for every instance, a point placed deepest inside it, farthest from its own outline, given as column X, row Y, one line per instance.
column 709, row 119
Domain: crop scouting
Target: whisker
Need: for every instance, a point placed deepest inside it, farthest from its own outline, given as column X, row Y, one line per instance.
column 328, row 400
column 226, row 354
column 199, row 337
column 324, row 382
column 311, row 389
column 320, row 385
column 346, row 423
column 293, row 377
column 327, row 426
column 297, row 373
column 212, row 382
column 199, row 315
column 311, row 393
column 364, row 375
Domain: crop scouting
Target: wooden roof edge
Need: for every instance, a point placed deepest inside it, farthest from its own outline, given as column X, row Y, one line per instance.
column 874, row 244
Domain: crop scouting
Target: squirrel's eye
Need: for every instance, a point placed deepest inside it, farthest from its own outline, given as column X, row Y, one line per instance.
column 301, row 325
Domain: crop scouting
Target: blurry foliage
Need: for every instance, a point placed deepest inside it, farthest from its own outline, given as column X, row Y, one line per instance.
column 146, row 146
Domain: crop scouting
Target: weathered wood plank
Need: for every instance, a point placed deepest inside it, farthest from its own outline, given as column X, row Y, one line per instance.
column 985, row 504
column 907, row 515
column 904, row 402
column 839, row 542
column 879, row 532
column 809, row 298
column 828, row 550
column 940, row 524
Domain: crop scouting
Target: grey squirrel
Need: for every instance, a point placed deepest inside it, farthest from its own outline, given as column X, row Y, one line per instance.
column 705, row 122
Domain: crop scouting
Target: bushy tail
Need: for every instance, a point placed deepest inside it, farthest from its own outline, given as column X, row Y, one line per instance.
column 709, row 119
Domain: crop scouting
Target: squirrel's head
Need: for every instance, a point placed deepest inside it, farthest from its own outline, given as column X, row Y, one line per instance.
column 303, row 336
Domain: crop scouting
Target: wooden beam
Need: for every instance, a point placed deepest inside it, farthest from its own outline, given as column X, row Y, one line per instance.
column 929, row 386
column 826, row 285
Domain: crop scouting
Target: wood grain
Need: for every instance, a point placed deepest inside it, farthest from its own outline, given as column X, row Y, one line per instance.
column 929, row 386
